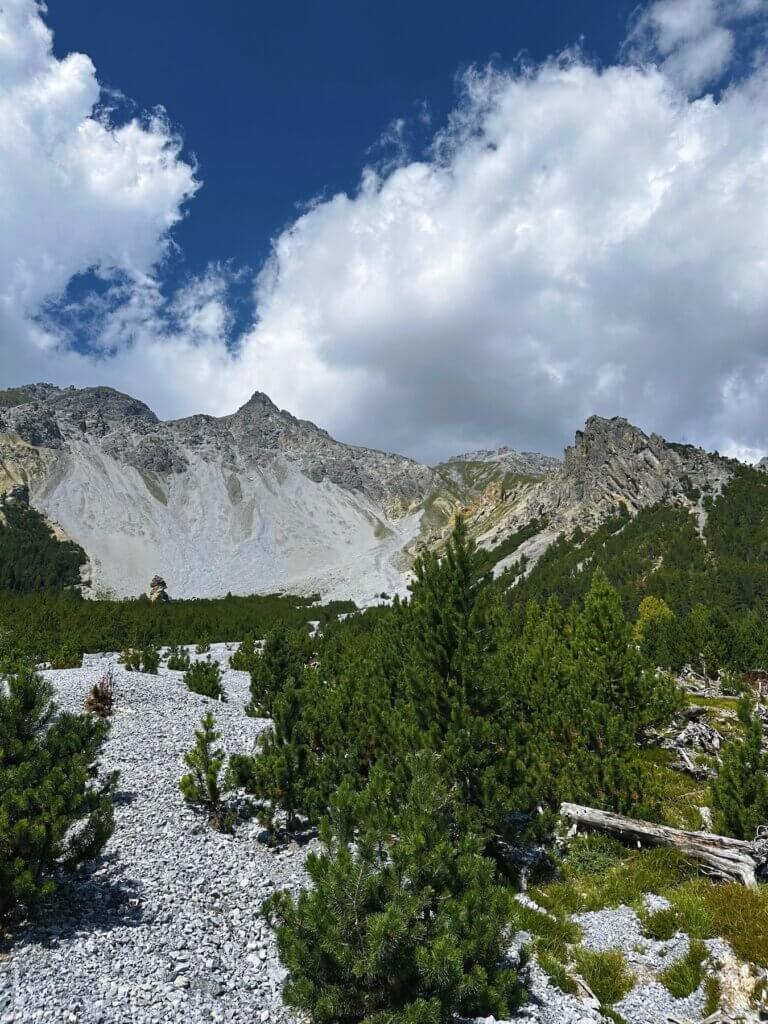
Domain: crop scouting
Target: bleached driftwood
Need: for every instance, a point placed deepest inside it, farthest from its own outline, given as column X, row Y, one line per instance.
column 728, row 858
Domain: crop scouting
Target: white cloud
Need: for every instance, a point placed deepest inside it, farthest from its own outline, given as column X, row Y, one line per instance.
column 695, row 39
column 575, row 241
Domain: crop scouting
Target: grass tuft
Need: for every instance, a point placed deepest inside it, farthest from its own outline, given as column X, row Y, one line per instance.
column 685, row 975
column 607, row 974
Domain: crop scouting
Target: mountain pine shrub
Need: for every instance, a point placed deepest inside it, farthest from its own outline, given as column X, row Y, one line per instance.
column 285, row 654
column 54, row 813
column 144, row 659
column 205, row 784
column 244, row 658
column 740, row 790
column 407, row 927
column 279, row 773
column 204, row 677
column 178, row 659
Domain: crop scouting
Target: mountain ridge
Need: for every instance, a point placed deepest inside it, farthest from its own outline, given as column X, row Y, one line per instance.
column 258, row 500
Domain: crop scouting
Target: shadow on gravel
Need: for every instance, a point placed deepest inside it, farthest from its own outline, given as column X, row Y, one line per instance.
column 124, row 797
column 97, row 899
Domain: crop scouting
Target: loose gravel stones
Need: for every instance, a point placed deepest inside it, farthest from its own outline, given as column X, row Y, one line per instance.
column 165, row 927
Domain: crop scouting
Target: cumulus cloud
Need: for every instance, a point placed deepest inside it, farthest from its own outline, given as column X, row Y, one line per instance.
column 695, row 39
column 576, row 240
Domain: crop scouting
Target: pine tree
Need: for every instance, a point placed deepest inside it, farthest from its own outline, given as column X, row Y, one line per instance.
column 279, row 773
column 285, row 654
column 740, row 790
column 53, row 810
column 204, row 785
column 407, row 928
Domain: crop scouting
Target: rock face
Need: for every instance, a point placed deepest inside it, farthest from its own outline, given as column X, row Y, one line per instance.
column 158, row 590
column 511, row 461
column 611, row 465
column 257, row 501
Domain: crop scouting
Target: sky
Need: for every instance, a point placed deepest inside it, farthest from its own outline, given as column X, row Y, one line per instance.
column 429, row 228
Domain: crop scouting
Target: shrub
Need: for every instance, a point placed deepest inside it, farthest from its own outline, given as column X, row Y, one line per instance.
column 178, row 659
column 100, row 701
column 740, row 791
column 593, row 855
column 203, row 785
column 204, row 677
column 286, row 652
column 146, row 659
column 53, row 811
column 203, row 646
column 406, row 930
column 244, row 658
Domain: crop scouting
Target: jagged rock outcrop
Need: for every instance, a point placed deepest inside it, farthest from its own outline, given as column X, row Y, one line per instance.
column 158, row 590
column 612, row 464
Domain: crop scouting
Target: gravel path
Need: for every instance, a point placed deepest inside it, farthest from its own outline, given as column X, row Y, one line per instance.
column 165, row 927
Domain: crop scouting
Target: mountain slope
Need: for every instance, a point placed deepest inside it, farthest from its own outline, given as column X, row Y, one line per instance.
column 252, row 502
column 260, row 501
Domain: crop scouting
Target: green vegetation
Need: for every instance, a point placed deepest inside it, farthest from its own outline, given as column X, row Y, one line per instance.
column 606, row 973
column 53, row 811
column 244, row 658
column 700, row 601
column 60, row 627
column 146, row 660
column 407, row 927
column 202, row 786
column 740, row 791
column 31, row 557
column 685, row 975
column 204, row 677
column 178, row 659
column 282, row 661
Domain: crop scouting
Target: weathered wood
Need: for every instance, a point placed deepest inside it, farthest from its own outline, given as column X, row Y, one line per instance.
column 733, row 859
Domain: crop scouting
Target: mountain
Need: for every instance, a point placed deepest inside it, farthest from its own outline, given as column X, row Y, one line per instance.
column 260, row 501
column 255, row 501
column 612, row 465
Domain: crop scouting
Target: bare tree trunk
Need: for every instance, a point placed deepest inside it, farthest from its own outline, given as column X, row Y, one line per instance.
column 728, row 858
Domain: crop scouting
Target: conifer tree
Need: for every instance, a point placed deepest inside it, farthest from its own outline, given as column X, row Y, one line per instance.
column 407, row 927
column 204, row 785
column 285, row 654
column 740, row 790
column 279, row 773
column 53, row 810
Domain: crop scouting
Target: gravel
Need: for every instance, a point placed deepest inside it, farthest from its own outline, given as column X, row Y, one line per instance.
column 165, row 927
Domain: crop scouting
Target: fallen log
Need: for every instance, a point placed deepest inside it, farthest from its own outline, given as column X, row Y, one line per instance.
column 732, row 859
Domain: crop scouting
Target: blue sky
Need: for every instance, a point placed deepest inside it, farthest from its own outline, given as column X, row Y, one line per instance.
column 281, row 103
column 428, row 227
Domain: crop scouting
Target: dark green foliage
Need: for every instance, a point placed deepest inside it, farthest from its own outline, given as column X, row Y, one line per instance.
column 408, row 927
column 244, row 658
column 204, row 677
column 606, row 973
column 520, row 719
column 278, row 774
column 31, row 557
column 740, row 791
column 203, row 646
column 39, row 626
column 178, row 659
column 286, row 652
column 717, row 587
column 146, row 660
column 53, row 811
column 203, row 785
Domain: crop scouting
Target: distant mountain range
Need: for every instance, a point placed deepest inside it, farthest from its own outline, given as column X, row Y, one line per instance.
column 260, row 501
